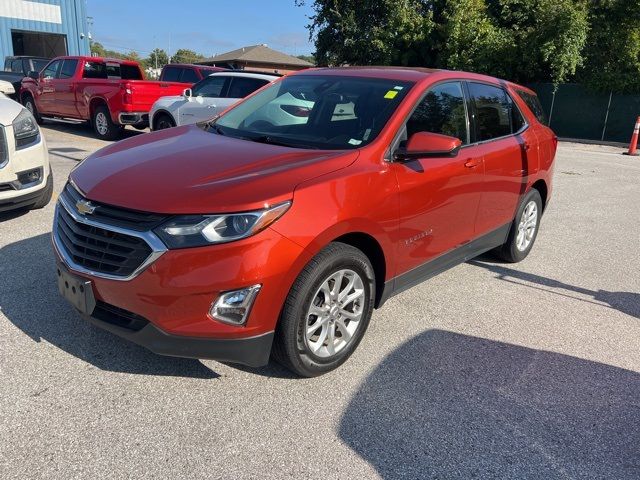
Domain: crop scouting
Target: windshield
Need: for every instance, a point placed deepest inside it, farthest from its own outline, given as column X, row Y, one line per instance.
column 327, row 112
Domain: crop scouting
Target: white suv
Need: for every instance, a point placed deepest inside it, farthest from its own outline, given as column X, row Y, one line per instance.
column 207, row 98
column 25, row 175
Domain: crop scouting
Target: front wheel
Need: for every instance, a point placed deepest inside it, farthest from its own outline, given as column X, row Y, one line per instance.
column 163, row 122
column 524, row 229
column 327, row 311
column 30, row 105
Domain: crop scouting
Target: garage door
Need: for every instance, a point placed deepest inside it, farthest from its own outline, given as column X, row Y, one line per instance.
column 38, row 44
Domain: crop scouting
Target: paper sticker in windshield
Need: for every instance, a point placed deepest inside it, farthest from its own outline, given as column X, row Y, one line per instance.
column 391, row 94
column 398, row 87
column 353, row 141
column 367, row 132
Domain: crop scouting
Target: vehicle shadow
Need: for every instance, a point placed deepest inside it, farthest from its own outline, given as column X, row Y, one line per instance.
column 11, row 214
column 84, row 129
column 625, row 302
column 29, row 298
column 446, row 405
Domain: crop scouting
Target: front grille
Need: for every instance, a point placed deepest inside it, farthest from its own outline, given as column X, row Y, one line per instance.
column 98, row 249
column 5, row 187
column 117, row 216
column 118, row 316
column 4, row 154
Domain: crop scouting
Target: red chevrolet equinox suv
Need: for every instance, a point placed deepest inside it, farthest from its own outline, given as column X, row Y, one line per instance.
column 278, row 226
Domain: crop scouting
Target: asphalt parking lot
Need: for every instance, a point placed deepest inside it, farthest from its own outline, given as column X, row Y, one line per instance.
column 488, row 370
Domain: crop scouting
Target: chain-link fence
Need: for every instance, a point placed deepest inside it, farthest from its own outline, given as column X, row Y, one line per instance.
column 576, row 112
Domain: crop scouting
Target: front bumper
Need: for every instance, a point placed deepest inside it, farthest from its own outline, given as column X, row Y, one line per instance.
column 170, row 299
column 252, row 351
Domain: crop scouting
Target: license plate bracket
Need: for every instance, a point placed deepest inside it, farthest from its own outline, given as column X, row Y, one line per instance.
column 76, row 290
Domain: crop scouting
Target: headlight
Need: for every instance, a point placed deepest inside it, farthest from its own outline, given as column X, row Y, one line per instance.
column 198, row 230
column 25, row 128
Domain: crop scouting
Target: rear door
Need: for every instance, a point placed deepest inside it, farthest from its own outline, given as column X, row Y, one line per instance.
column 208, row 98
column 438, row 197
column 506, row 147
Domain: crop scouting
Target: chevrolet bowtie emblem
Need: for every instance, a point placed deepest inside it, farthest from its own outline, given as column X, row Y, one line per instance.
column 84, row 207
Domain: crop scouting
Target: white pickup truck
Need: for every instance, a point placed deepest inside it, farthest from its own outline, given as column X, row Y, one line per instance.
column 207, row 98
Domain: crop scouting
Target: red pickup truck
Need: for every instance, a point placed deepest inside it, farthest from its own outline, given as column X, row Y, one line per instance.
column 108, row 92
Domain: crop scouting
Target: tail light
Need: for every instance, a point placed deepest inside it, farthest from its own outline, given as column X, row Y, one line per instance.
column 127, row 97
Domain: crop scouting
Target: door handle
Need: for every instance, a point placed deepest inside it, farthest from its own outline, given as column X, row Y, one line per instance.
column 211, row 106
column 472, row 163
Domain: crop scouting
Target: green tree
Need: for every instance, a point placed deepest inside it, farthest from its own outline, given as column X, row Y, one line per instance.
column 369, row 32
column 523, row 40
column 184, row 55
column 158, row 58
column 612, row 53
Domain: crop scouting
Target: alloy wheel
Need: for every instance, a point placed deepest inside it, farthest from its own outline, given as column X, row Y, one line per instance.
column 527, row 226
column 335, row 313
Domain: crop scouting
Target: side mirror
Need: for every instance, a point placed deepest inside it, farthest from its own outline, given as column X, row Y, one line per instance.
column 187, row 93
column 33, row 74
column 426, row 144
column 7, row 88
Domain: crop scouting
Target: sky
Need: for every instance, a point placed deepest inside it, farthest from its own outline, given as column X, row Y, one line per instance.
column 208, row 27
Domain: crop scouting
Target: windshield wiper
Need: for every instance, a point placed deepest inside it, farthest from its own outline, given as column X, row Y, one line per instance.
column 211, row 124
column 272, row 141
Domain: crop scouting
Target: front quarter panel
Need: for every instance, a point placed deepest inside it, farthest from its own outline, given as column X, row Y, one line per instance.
column 359, row 199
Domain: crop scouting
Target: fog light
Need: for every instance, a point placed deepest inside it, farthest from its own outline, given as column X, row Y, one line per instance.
column 234, row 307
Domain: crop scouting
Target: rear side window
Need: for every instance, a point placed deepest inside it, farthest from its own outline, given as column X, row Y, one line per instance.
column 189, row 75
column 38, row 65
column 492, row 111
column 130, row 72
column 241, row 87
column 94, row 70
column 533, row 102
column 441, row 111
column 171, row 74
column 16, row 66
column 68, row 68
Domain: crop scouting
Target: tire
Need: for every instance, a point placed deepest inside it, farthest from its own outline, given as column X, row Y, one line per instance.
column 522, row 236
column 30, row 105
column 307, row 351
column 163, row 121
column 103, row 126
column 47, row 193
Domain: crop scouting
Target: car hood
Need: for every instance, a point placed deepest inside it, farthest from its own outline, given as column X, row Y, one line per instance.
column 189, row 170
column 9, row 110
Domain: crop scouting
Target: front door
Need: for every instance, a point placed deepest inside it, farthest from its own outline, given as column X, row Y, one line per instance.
column 206, row 101
column 438, row 197
column 46, row 90
column 64, row 86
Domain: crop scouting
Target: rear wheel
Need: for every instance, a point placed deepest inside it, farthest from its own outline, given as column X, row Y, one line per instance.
column 30, row 105
column 524, row 229
column 163, row 121
column 327, row 311
column 103, row 125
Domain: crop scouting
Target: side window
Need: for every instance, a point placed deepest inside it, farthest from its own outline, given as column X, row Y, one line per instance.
column 441, row 111
column 189, row 75
column 130, row 72
column 171, row 74
column 533, row 102
column 52, row 70
column 210, row 87
column 113, row 71
column 68, row 68
column 492, row 111
column 94, row 70
column 517, row 120
column 241, row 87
column 16, row 66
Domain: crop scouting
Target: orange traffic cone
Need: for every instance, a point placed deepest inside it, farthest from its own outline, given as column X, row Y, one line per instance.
column 633, row 145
